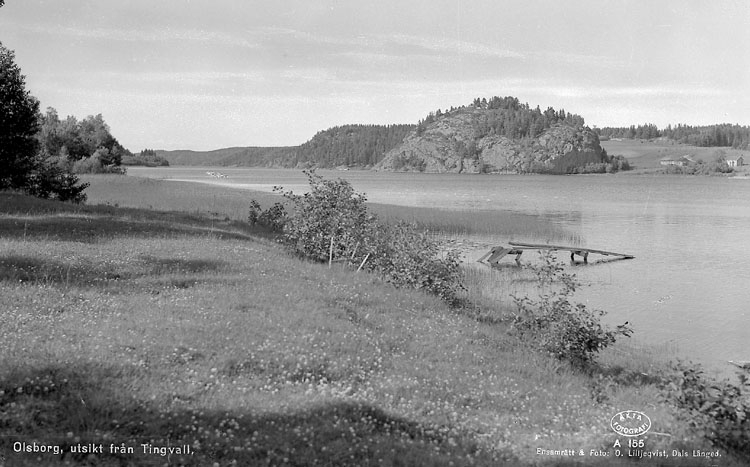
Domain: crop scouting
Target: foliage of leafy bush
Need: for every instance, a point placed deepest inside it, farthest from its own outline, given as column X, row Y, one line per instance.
column 569, row 331
column 717, row 410
column 331, row 222
column 272, row 218
column 406, row 257
column 331, row 210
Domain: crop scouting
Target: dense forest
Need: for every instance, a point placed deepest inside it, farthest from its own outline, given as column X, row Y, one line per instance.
column 507, row 116
column 350, row 145
column 722, row 135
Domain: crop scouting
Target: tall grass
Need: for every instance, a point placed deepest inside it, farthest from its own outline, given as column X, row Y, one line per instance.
column 128, row 326
column 233, row 203
column 481, row 224
column 197, row 198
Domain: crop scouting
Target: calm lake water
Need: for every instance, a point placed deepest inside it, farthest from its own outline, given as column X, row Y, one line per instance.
column 689, row 284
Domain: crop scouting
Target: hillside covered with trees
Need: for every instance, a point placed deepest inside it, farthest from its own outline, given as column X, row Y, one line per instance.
column 722, row 135
column 348, row 145
column 508, row 117
column 501, row 135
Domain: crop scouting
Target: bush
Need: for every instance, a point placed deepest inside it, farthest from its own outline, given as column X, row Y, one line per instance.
column 566, row 330
column 331, row 223
column 719, row 411
column 330, row 220
column 273, row 218
column 406, row 257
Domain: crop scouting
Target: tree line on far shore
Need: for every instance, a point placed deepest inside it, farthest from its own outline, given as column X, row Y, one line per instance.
column 722, row 135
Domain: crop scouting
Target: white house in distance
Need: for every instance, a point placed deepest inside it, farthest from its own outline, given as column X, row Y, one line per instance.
column 735, row 160
column 678, row 161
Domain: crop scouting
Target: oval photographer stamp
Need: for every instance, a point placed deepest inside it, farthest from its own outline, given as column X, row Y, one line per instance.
column 630, row 423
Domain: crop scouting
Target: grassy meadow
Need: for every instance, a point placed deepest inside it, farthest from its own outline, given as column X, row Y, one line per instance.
column 644, row 156
column 155, row 316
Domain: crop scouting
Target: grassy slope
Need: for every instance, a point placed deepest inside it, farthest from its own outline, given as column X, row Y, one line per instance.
column 132, row 326
column 645, row 155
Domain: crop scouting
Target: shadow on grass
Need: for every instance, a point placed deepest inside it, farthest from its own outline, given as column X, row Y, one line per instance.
column 26, row 269
column 89, row 229
column 88, row 405
column 22, row 217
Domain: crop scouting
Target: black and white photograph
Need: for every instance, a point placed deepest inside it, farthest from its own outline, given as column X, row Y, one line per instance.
column 374, row 233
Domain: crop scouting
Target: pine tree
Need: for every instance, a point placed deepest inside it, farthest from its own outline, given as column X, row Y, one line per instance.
column 19, row 124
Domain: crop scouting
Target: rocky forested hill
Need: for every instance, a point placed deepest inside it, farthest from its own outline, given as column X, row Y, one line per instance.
column 499, row 135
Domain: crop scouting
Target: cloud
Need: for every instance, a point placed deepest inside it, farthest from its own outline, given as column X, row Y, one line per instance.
column 632, row 91
column 451, row 46
column 142, row 35
column 385, row 45
column 581, row 59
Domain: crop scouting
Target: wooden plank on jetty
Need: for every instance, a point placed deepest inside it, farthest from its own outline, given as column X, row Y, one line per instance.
column 497, row 253
column 517, row 248
column 572, row 249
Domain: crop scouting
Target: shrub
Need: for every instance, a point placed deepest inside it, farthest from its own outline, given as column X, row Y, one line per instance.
column 719, row 411
column 406, row 257
column 566, row 330
column 273, row 218
column 331, row 213
column 331, row 222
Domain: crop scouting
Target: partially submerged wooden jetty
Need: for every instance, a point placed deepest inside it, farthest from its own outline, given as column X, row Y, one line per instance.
column 517, row 248
column 745, row 365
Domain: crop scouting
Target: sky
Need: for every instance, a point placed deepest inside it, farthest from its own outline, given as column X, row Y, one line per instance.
column 209, row 74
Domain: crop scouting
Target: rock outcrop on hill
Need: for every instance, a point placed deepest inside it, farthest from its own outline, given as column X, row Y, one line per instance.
column 454, row 142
